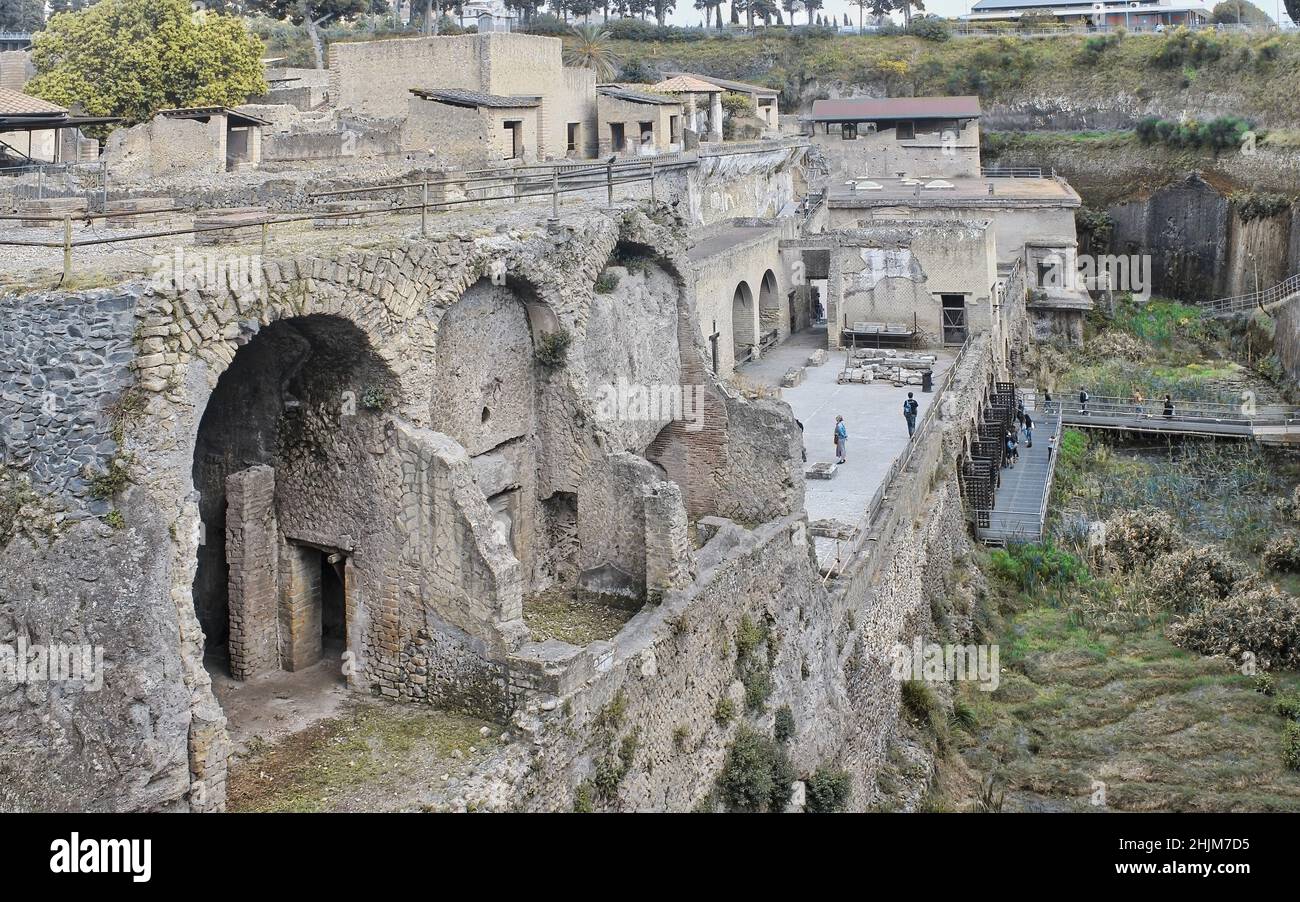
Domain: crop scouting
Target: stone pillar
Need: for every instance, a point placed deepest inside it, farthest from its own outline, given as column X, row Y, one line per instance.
column 300, row 606
column 217, row 133
column 251, row 552
column 834, row 296
column 669, row 563
column 715, row 117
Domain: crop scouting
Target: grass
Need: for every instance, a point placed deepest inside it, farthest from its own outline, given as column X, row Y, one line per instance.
column 1162, row 728
column 572, row 616
column 374, row 751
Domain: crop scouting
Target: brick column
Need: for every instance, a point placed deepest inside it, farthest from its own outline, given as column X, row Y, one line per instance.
column 300, row 606
column 252, row 540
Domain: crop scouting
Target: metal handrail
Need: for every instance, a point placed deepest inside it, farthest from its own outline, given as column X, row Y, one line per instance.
column 1239, row 302
column 1184, row 411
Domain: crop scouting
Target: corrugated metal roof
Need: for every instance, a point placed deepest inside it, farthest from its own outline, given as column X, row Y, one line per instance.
column 638, row 96
column 457, row 97
column 16, row 103
column 850, row 109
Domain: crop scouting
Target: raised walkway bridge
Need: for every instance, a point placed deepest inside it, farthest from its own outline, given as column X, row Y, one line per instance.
column 1243, row 303
column 1009, row 503
column 1265, row 423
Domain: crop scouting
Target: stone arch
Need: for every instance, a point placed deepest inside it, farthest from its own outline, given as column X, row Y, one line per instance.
column 770, row 316
column 743, row 322
column 296, row 407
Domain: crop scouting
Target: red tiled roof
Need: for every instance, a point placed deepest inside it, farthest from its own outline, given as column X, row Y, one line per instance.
column 848, row 109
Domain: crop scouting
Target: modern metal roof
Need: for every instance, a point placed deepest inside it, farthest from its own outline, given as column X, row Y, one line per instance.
column 204, row 113
column 638, row 96
column 457, row 97
column 856, row 109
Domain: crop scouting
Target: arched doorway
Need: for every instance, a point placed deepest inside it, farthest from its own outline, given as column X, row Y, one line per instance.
column 281, row 465
column 744, row 323
column 769, row 309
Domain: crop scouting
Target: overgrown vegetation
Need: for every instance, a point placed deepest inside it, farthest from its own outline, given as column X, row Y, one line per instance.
column 827, row 790
column 553, row 348
column 756, row 775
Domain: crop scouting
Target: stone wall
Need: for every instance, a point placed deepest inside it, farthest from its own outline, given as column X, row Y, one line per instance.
column 434, row 591
column 933, row 153
column 655, row 688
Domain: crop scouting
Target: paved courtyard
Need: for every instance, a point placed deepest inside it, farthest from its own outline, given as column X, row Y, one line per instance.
column 873, row 414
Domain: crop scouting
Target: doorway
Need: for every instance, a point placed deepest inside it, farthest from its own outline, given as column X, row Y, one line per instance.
column 954, row 318
column 617, row 138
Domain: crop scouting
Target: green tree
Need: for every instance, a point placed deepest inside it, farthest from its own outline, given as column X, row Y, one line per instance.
column 588, row 48
column 313, row 14
column 811, row 6
column 22, row 15
column 1232, row 12
column 1292, row 8
column 132, row 58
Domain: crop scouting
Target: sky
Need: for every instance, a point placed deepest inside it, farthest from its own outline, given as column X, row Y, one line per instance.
column 686, row 14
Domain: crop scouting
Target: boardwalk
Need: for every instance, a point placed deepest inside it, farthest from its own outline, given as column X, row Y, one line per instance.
column 1269, row 424
column 1020, row 503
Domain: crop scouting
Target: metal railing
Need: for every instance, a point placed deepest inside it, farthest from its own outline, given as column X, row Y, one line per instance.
column 524, row 183
column 77, row 179
column 1239, row 303
column 1010, row 172
column 1026, row 524
column 1185, row 416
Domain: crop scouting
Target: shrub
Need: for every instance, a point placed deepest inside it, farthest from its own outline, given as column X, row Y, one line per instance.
column 756, row 775
column 1031, row 566
column 827, row 791
column 783, row 727
column 547, row 24
column 1114, row 344
column 1259, row 204
column 1187, row 578
column 929, row 28
column 1260, row 620
column 606, row 282
column 1099, row 225
column 115, row 519
column 1263, row 684
column 582, row 800
column 1282, row 554
column 1291, row 746
column 1287, row 705
column 725, row 711
column 553, row 349
column 1137, row 537
column 108, row 483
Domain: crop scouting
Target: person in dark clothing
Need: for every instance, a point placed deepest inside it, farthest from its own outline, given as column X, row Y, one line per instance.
column 1028, row 422
column 910, row 407
column 1083, row 401
column 1169, row 406
column 1013, row 452
column 802, row 449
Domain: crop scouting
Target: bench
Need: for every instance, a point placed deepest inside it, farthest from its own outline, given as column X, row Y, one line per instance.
column 875, row 333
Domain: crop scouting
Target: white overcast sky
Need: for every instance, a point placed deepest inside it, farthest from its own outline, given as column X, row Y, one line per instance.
column 687, row 14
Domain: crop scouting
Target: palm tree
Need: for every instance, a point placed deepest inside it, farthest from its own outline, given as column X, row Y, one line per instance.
column 588, row 48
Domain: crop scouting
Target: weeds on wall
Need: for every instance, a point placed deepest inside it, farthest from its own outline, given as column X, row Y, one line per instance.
column 553, row 349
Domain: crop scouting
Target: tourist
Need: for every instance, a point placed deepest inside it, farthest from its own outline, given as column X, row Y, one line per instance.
column 1013, row 452
column 1029, row 430
column 1169, row 407
column 910, row 407
column 841, row 440
column 1083, row 401
column 1138, row 401
column 802, row 449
